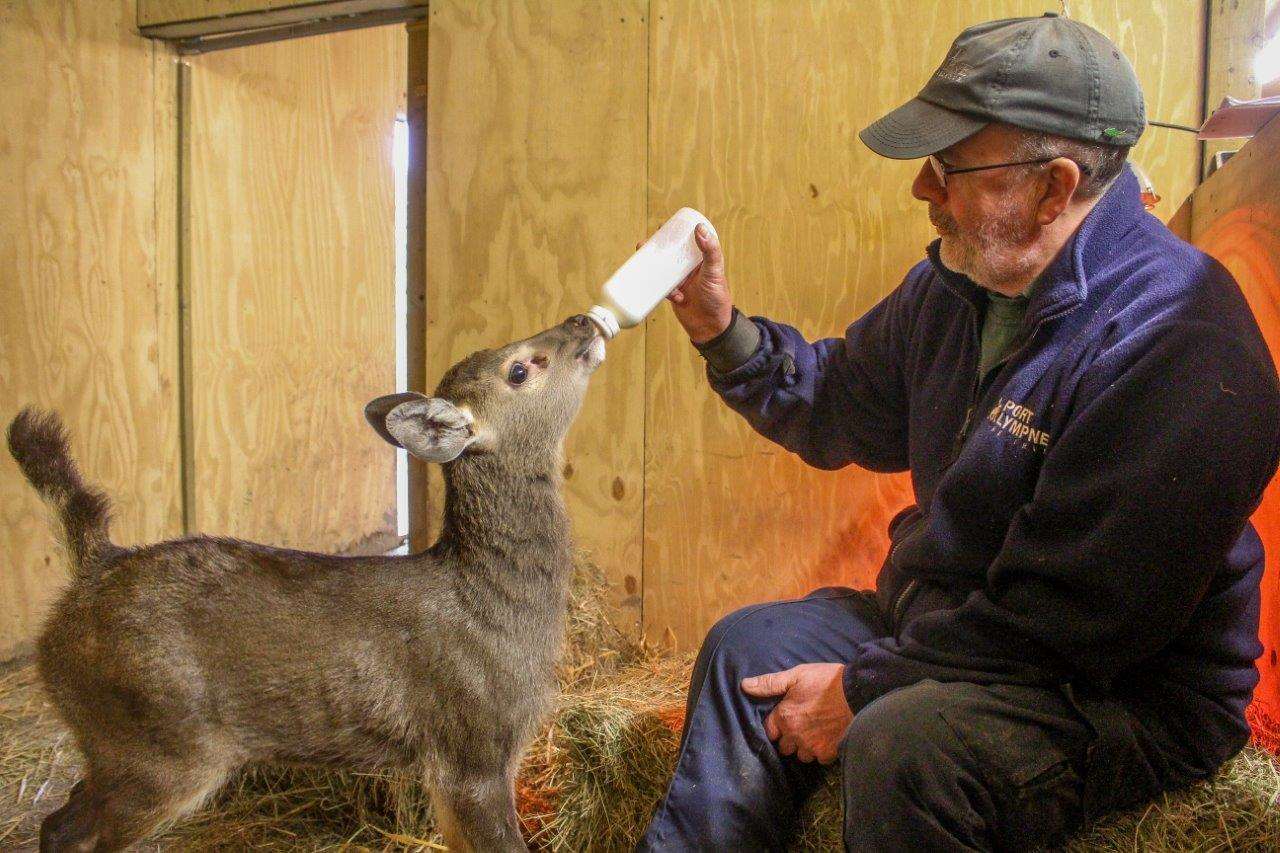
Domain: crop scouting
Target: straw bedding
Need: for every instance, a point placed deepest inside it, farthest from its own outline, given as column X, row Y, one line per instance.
column 590, row 780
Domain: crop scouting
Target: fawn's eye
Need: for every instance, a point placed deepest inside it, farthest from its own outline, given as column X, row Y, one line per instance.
column 518, row 373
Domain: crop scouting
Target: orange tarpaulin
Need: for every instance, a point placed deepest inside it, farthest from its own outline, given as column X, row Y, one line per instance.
column 1235, row 217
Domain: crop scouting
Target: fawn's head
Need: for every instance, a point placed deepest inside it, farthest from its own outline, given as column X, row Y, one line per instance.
column 519, row 399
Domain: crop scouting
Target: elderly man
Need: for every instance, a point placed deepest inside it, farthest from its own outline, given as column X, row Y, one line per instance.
column 1066, row 621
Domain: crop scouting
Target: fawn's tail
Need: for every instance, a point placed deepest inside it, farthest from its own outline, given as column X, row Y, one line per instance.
column 38, row 442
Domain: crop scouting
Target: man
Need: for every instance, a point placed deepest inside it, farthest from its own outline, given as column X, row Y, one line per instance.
column 1067, row 619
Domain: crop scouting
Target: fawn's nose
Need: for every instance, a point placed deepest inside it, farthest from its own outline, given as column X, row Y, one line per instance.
column 581, row 327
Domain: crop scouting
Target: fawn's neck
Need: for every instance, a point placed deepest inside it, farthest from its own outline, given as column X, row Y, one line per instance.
column 506, row 512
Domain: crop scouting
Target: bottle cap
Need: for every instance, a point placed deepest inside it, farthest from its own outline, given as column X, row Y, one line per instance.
column 604, row 320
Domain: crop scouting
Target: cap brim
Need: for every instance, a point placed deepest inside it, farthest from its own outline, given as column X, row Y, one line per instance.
column 918, row 129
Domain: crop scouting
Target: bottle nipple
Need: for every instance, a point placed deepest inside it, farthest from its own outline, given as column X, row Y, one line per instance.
column 604, row 320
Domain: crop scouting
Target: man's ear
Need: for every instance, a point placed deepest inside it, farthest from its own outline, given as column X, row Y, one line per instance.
column 430, row 428
column 1063, row 180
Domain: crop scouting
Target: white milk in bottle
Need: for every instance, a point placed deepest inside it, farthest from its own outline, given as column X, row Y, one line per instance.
column 650, row 274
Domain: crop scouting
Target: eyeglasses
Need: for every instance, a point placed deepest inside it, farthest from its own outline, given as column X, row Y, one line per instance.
column 941, row 170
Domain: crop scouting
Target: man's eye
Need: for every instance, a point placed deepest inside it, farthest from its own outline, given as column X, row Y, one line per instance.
column 518, row 373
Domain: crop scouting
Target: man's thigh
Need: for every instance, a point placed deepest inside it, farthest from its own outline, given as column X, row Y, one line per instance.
column 959, row 766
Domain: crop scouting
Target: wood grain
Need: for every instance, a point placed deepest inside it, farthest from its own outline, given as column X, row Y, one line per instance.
column 535, row 193
column 85, row 322
column 754, row 110
column 1235, row 217
column 291, row 288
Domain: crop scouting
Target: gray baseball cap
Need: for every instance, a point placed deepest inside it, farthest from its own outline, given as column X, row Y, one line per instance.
column 1050, row 74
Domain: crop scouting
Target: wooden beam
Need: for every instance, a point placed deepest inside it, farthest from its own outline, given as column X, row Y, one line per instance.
column 188, row 19
column 416, row 270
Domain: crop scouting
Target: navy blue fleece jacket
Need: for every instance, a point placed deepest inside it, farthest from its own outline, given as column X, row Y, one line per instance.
column 1080, row 517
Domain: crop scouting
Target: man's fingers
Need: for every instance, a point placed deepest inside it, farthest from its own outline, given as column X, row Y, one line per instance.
column 771, row 727
column 804, row 754
column 787, row 745
column 769, row 684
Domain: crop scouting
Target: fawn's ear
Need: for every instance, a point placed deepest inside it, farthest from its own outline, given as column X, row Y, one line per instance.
column 430, row 428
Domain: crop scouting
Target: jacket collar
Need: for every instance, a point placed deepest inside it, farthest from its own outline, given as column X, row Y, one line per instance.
column 1064, row 284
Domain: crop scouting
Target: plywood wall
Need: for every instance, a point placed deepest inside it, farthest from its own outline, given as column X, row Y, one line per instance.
column 534, row 194
column 291, row 288
column 87, row 322
column 537, row 187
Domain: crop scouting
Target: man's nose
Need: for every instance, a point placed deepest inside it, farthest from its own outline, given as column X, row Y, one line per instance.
column 926, row 187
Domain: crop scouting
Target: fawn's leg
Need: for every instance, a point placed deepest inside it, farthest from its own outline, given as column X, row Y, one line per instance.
column 447, row 823
column 71, row 827
column 116, row 808
column 479, row 813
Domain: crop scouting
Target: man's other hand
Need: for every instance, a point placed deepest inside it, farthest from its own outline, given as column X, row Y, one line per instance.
column 811, row 719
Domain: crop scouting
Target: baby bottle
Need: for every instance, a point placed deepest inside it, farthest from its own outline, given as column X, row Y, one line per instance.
column 650, row 274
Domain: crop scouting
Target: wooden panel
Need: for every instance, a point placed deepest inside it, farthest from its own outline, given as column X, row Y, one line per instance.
column 1236, row 34
column 291, row 288
column 86, row 322
column 1235, row 216
column 535, row 194
column 754, row 110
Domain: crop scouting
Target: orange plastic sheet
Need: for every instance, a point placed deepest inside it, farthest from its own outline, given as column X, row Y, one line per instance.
column 1240, row 226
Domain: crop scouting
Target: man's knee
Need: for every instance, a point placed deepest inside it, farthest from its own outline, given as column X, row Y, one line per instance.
column 735, row 640
column 901, row 764
column 897, row 739
column 746, row 641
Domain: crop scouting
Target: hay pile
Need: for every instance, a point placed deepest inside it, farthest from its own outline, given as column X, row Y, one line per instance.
column 613, row 747
column 590, row 781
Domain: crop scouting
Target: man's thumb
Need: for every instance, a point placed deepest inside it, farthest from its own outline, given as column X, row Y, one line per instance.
column 709, row 245
column 769, row 684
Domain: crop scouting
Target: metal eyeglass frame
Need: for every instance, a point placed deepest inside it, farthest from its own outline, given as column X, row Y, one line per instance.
column 941, row 170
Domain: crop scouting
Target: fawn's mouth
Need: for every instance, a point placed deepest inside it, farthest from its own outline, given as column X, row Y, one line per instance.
column 591, row 353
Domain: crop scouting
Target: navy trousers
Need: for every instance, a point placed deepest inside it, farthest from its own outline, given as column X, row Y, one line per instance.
column 934, row 766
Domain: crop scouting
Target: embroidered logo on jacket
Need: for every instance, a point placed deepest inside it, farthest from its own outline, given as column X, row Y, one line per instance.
column 1015, row 419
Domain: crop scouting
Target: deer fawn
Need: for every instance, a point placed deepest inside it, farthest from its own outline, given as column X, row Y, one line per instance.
column 174, row 664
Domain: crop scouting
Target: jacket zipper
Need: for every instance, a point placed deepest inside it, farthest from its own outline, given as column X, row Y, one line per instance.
column 898, row 610
column 902, row 599
column 900, row 605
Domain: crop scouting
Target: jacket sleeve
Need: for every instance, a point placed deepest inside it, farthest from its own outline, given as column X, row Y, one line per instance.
column 1139, row 499
column 833, row 402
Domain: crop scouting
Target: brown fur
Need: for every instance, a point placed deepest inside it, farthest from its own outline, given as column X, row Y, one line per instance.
column 176, row 663
column 39, row 443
